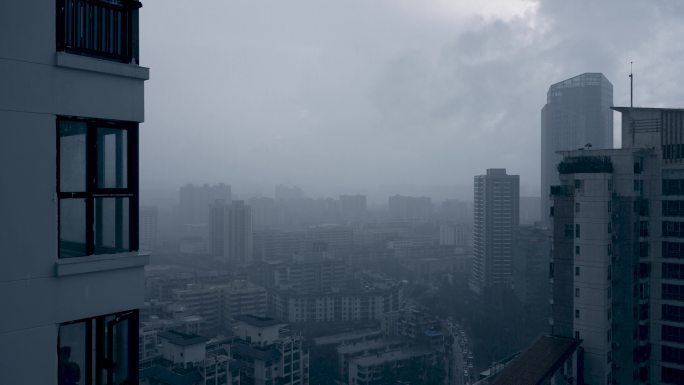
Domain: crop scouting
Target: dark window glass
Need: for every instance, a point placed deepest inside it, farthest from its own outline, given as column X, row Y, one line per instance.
column 672, row 375
column 673, row 313
column 673, row 249
column 675, row 292
column 72, row 227
column 672, row 354
column 673, row 271
column 98, row 188
column 672, row 333
column 72, row 156
column 99, row 350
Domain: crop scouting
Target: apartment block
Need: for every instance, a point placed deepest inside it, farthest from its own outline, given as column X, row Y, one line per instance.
column 70, row 104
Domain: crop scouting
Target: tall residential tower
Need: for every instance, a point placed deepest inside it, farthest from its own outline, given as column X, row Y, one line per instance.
column 71, row 279
column 576, row 115
column 618, row 251
column 496, row 222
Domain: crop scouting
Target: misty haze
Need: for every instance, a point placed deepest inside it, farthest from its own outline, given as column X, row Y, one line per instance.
column 317, row 192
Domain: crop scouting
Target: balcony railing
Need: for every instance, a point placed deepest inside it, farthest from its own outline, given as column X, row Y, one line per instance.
column 105, row 29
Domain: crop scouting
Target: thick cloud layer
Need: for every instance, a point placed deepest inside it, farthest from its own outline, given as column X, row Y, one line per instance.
column 358, row 93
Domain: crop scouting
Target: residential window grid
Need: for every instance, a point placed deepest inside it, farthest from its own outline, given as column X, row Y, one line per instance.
column 97, row 186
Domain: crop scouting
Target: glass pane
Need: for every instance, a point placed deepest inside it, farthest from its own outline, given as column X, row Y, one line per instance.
column 72, row 354
column 111, row 225
column 120, row 351
column 72, row 156
column 72, row 228
column 112, row 158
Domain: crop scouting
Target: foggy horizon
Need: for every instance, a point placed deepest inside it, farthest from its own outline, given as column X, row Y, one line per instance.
column 419, row 93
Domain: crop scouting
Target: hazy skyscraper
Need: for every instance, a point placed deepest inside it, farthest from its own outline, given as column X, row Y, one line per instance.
column 195, row 201
column 577, row 114
column 231, row 232
column 496, row 220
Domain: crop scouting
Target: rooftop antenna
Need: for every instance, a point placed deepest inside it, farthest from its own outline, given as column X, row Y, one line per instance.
column 631, row 86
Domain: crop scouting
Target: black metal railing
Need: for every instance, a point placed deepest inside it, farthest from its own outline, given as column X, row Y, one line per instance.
column 101, row 28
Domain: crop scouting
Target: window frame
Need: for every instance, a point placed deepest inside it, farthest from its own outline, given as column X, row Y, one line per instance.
column 99, row 346
column 91, row 190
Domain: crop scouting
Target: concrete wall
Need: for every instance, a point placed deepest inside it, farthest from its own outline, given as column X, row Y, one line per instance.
column 37, row 290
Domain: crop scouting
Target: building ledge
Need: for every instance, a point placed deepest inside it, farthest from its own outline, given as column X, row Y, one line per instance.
column 95, row 263
column 87, row 63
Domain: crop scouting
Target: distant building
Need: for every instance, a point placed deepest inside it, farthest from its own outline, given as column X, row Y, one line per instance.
column 231, row 232
column 331, row 236
column 405, row 208
column 270, row 352
column 149, row 233
column 272, row 245
column 195, row 201
column 531, row 271
column 577, row 114
column 352, row 207
column 496, row 220
column 530, row 213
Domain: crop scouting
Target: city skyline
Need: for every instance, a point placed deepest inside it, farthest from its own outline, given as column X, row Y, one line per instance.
column 400, row 94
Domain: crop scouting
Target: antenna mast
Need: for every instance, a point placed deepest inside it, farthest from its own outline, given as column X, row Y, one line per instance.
column 631, row 86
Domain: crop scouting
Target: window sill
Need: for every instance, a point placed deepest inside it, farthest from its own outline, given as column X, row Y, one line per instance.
column 87, row 63
column 95, row 263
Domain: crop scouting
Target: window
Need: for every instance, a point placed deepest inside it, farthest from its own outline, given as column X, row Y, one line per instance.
column 673, row 229
column 577, row 314
column 673, row 208
column 97, row 186
column 673, row 249
column 673, row 333
column 577, row 271
column 102, row 28
column 577, row 334
column 577, row 291
column 644, row 249
column 577, row 230
column 100, row 350
column 672, row 375
column 577, row 207
column 672, row 354
column 673, row 313
column 610, row 228
column 578, row 184
column 673, row 186
column 643, row 228
column 675, row 292
column 577, row 250
column 673, row 271
column 567, row 230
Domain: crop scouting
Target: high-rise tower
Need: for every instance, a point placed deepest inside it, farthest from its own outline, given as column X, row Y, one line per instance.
column 618, row 247
column 496, row 220
column 71, row 279
column 576, row 115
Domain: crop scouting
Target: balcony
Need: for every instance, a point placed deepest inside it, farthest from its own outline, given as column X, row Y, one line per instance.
column 106, row 29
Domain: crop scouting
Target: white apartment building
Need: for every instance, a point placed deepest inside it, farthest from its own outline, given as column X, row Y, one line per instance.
column 618, row 284
column 71, row 99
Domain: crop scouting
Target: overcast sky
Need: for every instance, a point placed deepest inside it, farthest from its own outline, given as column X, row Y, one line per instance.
column 359, row 93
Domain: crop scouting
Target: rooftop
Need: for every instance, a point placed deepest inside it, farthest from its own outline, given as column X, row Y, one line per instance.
column 254, row 320
column 538, row 362
column 269, row 353
column 391, row 356
column 625, row 109
column 182, row 339
column 341, row 337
